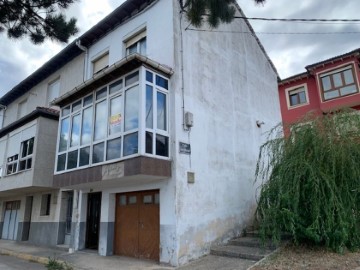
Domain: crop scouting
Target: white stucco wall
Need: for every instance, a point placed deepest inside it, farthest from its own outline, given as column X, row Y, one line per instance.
column 70, row 76
column 229, row 85
column 157, row 19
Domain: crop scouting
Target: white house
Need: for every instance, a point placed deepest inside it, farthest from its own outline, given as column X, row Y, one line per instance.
column 159, row 131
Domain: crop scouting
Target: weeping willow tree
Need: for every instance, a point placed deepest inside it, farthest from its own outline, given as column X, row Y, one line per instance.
column 311, row 182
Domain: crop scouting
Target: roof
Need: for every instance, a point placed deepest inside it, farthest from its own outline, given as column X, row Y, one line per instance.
column 311, row 67
column 121, row 14
column 38, row 112
column 108, row 74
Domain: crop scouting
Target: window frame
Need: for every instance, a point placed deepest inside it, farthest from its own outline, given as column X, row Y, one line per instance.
column 330, row 73
column 136, row 39
column 16, row 162
column 295, row 88
column 50, row 87
column 97, row 60
column 139, row 131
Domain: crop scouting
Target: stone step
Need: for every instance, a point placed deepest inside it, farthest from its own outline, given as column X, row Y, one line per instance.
column 250, row 253
column 248, row 241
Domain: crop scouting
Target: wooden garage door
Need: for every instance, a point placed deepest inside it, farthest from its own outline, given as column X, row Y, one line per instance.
column 137, row 225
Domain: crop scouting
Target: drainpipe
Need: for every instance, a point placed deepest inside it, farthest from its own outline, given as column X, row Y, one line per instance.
column 84, row 49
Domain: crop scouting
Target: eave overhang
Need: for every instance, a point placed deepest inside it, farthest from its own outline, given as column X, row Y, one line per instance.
column 109, row 74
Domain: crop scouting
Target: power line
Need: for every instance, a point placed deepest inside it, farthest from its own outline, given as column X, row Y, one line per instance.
column 297, row 19
column 275, row 33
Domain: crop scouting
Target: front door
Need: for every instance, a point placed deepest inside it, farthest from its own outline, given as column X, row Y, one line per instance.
column 137, row 224
column 93, row 220
column 11, row 220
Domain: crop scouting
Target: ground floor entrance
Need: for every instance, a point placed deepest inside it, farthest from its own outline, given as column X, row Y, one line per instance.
column 11, row 220
column 137, row 224
column 93, row 220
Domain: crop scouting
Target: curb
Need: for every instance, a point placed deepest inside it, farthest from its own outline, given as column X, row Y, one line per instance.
column 24, row 256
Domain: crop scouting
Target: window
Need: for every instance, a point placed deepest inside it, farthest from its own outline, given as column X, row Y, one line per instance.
column 105, row 125
column 136, row 44
column 338, row 83
column 156, row 111
column 45, row 205
column 27, row 148
column 53, row 91
column 297, row 96
column 22, row 109
column 101, row 63
column 15, row 164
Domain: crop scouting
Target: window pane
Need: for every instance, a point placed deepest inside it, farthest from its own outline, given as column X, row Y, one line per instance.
column 115, row 87
column 161, row 111
column 302, row 97
column 100, row 123
column 88, row 100
column 86, row 128
column 131, row 108
column 348, row 75
column 101, row 93
column 132, row 78
column 123, row 200
column 326, row 83
column 132, row 199
column 348, row 90
column 337, row 80
column 149, row 106
column 64, row 134
column 61, row 162
column 161, row 82
column 53, row 90
column 76, row 106
column 113, row 149
column 157, row 198
column 162, row 146
column 98, row 153
column 293, row 99
column 65, row 111
column 28, row 163
column 25, row 146
column 132, row 49
column 22, row 165
column 84, row 156
column 149, row 143
column 131, row 144
column 148, row 199
column 143, row 46
column 75, row 131
column 331, row 94
column 115, row 115
column 31, row 146
column 149, row 76
column 72, row 159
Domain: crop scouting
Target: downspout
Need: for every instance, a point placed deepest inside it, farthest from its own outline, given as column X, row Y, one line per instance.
column 182, row 70
column 84, row 49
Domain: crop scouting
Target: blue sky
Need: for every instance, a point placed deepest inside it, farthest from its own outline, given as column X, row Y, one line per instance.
column 289, row 52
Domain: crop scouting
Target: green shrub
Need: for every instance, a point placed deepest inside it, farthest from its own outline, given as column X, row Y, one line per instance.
column 311, row 182
column 54, row 264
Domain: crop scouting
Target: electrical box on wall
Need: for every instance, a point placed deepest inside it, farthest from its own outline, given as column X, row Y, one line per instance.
column 191, row 177
column 189, row 119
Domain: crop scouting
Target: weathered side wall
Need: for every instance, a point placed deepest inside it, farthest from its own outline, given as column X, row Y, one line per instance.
column 228, row 85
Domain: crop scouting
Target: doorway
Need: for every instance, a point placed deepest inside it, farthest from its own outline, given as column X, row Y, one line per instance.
column 11, row 220
column 93, row 220
column 137, row 224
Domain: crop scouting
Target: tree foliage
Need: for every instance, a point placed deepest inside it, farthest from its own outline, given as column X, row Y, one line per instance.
column 215, row 11
column 38, row 19
column 311, row 182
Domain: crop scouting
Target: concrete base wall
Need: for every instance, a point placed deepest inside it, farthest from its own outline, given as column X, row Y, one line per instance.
column 44, row 233
column 107, row 230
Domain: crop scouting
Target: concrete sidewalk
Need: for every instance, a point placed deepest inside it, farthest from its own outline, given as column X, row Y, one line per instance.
column 90, row 260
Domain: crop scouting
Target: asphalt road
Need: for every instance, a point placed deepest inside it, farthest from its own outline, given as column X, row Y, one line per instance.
column 9, row 263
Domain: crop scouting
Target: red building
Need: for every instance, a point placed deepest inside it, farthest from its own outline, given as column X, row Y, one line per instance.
column 325, row 86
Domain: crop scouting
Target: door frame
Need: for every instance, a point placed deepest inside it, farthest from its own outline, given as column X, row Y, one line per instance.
column 91, row 196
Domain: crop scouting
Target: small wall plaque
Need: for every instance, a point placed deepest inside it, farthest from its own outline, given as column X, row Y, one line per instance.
column 184, row 148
